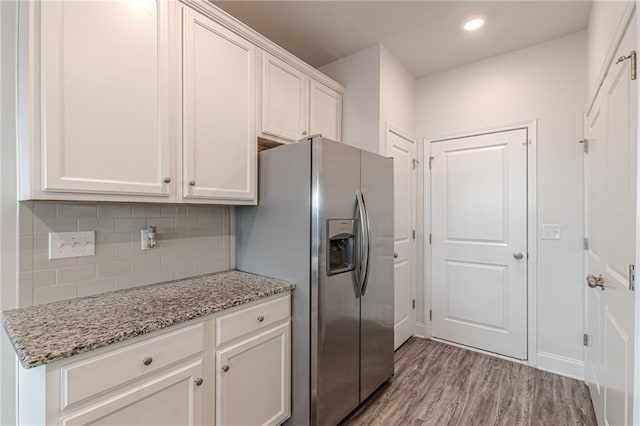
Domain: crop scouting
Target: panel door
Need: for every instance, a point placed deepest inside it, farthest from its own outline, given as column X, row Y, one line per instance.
column 173, row 398
column 479, row 241
column 594, row 318
column 219, row 139
column 376, row 301
column 403, row 151
column 253, row 380
column 105, row 97
column 325, row 111
column 284, row 100
column 611, row 228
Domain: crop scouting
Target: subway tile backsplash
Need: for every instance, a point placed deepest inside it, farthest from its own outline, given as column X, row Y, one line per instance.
column 192, row 240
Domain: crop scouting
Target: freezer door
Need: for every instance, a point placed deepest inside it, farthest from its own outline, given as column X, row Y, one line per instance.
column 376, row 345
column 335, row 318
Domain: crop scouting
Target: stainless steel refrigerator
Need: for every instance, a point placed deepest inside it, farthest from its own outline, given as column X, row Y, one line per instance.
column 325, row 221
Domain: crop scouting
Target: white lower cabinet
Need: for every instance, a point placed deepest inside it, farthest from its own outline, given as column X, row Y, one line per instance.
column 174, row 398
column 253, row 379
column 174, row 377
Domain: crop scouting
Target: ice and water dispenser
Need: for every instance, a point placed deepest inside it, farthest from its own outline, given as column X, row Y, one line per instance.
column 342, row 246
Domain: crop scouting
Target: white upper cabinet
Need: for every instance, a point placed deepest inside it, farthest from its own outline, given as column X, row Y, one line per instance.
column 325, row 111
column 155, row 101
column 295, row 105
column 284, row 100
column 103, row 101
column 219, row 110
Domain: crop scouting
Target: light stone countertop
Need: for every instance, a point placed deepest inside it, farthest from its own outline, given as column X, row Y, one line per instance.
column 50, row 332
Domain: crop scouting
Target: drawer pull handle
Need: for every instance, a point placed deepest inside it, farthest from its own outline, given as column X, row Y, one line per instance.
column 260, row 318
column 225, row 368
column 198, row 381
column 147, row 360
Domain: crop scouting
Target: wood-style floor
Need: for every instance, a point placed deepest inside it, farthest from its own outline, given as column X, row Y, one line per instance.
column 439, row 384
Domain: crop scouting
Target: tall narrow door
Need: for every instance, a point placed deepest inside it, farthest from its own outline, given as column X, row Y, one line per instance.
column 611, row 176
column 403, row 151
column 335, row 307
column 218, row 101
column 479, row 241
column 376, row 301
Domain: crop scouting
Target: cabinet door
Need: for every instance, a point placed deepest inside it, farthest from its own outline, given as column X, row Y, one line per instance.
column 219, row 110
column 104, row 97
column 284, row 100
column 325, row 111
column 173, row 398
column 254, row 380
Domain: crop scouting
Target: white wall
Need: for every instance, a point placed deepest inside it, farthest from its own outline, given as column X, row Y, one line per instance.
column 546, row 82
column 8, row 205
column 604, row 20
column 397, row 96
column 360, row 75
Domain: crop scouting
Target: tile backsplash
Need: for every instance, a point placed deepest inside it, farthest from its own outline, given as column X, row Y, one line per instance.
column 191, row 240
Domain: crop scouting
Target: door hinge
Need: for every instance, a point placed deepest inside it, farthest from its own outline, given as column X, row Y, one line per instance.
column 585, row 145
column 632, row 277
column 430, row 315
column 631, row 56
column 414, row 234
column 430, row 161
column 585, row 339
column 429, row 238
column 413, row 303
column 585, row 243
column 415, row 163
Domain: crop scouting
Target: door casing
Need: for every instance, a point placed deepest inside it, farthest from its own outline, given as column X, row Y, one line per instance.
column 532, row 230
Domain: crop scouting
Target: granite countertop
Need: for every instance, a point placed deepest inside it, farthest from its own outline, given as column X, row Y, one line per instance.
column 46, row 333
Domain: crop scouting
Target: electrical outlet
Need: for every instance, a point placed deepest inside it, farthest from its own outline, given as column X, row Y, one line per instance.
column 71, row 244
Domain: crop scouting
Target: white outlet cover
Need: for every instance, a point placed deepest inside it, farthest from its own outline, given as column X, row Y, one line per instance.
column 72, row 244
column 551, row 231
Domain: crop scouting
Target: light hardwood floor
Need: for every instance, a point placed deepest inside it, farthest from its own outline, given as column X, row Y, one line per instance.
column 439, row 384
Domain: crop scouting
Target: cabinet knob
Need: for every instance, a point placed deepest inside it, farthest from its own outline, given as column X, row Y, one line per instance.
column 192, row 182
column 395, row 254
column 304, row 133
column 198, row 381
column 260, row 318
column 225, row 368
column 147, row 360
column 167, row 180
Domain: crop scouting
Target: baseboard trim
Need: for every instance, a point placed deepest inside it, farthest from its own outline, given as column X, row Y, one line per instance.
column 419, row 330
column 564, row 366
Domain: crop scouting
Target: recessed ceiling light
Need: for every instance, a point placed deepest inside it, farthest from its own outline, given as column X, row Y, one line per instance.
column 473, row 24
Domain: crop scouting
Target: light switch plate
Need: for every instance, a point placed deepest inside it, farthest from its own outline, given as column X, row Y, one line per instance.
column 71, row 244
column 551, row 231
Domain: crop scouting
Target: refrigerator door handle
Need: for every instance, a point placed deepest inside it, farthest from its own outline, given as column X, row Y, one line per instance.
column 365, row 272
column 362, row 252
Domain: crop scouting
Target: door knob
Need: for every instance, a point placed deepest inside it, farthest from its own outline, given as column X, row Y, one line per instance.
column 518, row 255
column 593, row 281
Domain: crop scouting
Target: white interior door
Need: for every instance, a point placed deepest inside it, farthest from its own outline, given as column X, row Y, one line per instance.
column 403, row 151
column 479, row 241
column 610, row 188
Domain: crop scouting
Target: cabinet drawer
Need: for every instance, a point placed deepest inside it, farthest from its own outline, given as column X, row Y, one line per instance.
column 239, row 323
column 89, row 377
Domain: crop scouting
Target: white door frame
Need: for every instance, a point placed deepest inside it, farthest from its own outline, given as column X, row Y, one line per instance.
column 532, row 228
column 390, row 128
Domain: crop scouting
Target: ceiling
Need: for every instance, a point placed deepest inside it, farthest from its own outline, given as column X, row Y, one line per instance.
column 425, row 36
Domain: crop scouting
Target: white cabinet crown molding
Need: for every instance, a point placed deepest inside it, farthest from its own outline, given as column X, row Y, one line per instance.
column 261, row 41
